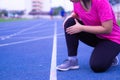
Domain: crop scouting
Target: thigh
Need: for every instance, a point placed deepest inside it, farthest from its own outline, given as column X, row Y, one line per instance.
column 89, row 39
column 103, row 54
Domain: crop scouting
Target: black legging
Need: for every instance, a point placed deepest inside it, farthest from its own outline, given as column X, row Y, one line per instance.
column 104, row 50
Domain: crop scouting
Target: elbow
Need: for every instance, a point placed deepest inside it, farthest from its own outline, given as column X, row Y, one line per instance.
column 107, row 31
column 108, row 26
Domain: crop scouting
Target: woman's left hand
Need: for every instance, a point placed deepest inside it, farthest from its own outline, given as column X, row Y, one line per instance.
column 75, row 28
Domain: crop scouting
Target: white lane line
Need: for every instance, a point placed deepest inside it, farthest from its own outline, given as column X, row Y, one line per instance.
column 28, row 40
column 19, row 32
column 33, row 32
column 53, row 72
column 24, row 41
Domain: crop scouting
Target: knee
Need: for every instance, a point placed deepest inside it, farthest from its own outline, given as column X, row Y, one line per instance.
column 70, row 22
column 98, row 67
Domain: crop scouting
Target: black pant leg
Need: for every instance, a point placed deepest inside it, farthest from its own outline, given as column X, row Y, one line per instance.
column 103, row 55
column 72, row 41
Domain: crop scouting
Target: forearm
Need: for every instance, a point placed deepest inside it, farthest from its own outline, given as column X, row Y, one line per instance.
column 96, row 29
column 106, row 28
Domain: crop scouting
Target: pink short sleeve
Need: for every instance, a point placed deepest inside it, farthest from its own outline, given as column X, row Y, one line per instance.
column 104, row 10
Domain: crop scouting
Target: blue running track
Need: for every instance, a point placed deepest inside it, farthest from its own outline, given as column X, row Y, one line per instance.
column 31, row 49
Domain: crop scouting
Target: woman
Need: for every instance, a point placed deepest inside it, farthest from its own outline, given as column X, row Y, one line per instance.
column 92, row 22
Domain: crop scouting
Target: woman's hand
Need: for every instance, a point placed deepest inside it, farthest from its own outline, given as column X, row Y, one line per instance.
column 75, row 28
column 74, row 15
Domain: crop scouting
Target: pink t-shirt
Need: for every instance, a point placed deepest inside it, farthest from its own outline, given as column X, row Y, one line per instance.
column 100, row 11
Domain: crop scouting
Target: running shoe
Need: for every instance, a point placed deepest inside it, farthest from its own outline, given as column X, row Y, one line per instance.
column 68, row 64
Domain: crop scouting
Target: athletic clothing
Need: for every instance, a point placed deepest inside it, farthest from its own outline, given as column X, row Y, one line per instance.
column 104, row 50
column 99, row 12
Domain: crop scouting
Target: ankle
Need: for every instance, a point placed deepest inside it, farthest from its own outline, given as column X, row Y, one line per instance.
column 72, row 58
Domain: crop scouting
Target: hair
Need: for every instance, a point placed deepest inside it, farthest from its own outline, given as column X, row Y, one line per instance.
column 85, row 2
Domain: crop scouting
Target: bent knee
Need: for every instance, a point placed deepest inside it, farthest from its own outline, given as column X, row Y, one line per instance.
column 69, row 22
column 98, row 68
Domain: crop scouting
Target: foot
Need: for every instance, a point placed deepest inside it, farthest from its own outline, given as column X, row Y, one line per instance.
column 68, row 64
column 115, row 61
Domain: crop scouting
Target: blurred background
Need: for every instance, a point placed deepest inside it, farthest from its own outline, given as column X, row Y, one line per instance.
column 42, row 8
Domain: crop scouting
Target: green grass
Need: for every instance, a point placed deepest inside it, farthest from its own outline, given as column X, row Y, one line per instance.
column 16, row 19
column 119, row 22
column 11, row 19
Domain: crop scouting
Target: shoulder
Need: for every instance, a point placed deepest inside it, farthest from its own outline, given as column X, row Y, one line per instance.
column 76, row 5
column 100, row 1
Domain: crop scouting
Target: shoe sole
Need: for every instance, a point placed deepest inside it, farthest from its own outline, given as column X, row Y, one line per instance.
column 70, row 68
column 117, row 62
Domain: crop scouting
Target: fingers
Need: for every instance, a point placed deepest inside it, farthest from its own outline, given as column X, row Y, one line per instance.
column 69, row 30
column 72, row 29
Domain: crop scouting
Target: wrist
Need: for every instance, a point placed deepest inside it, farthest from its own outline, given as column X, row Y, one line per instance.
column 81, row 28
